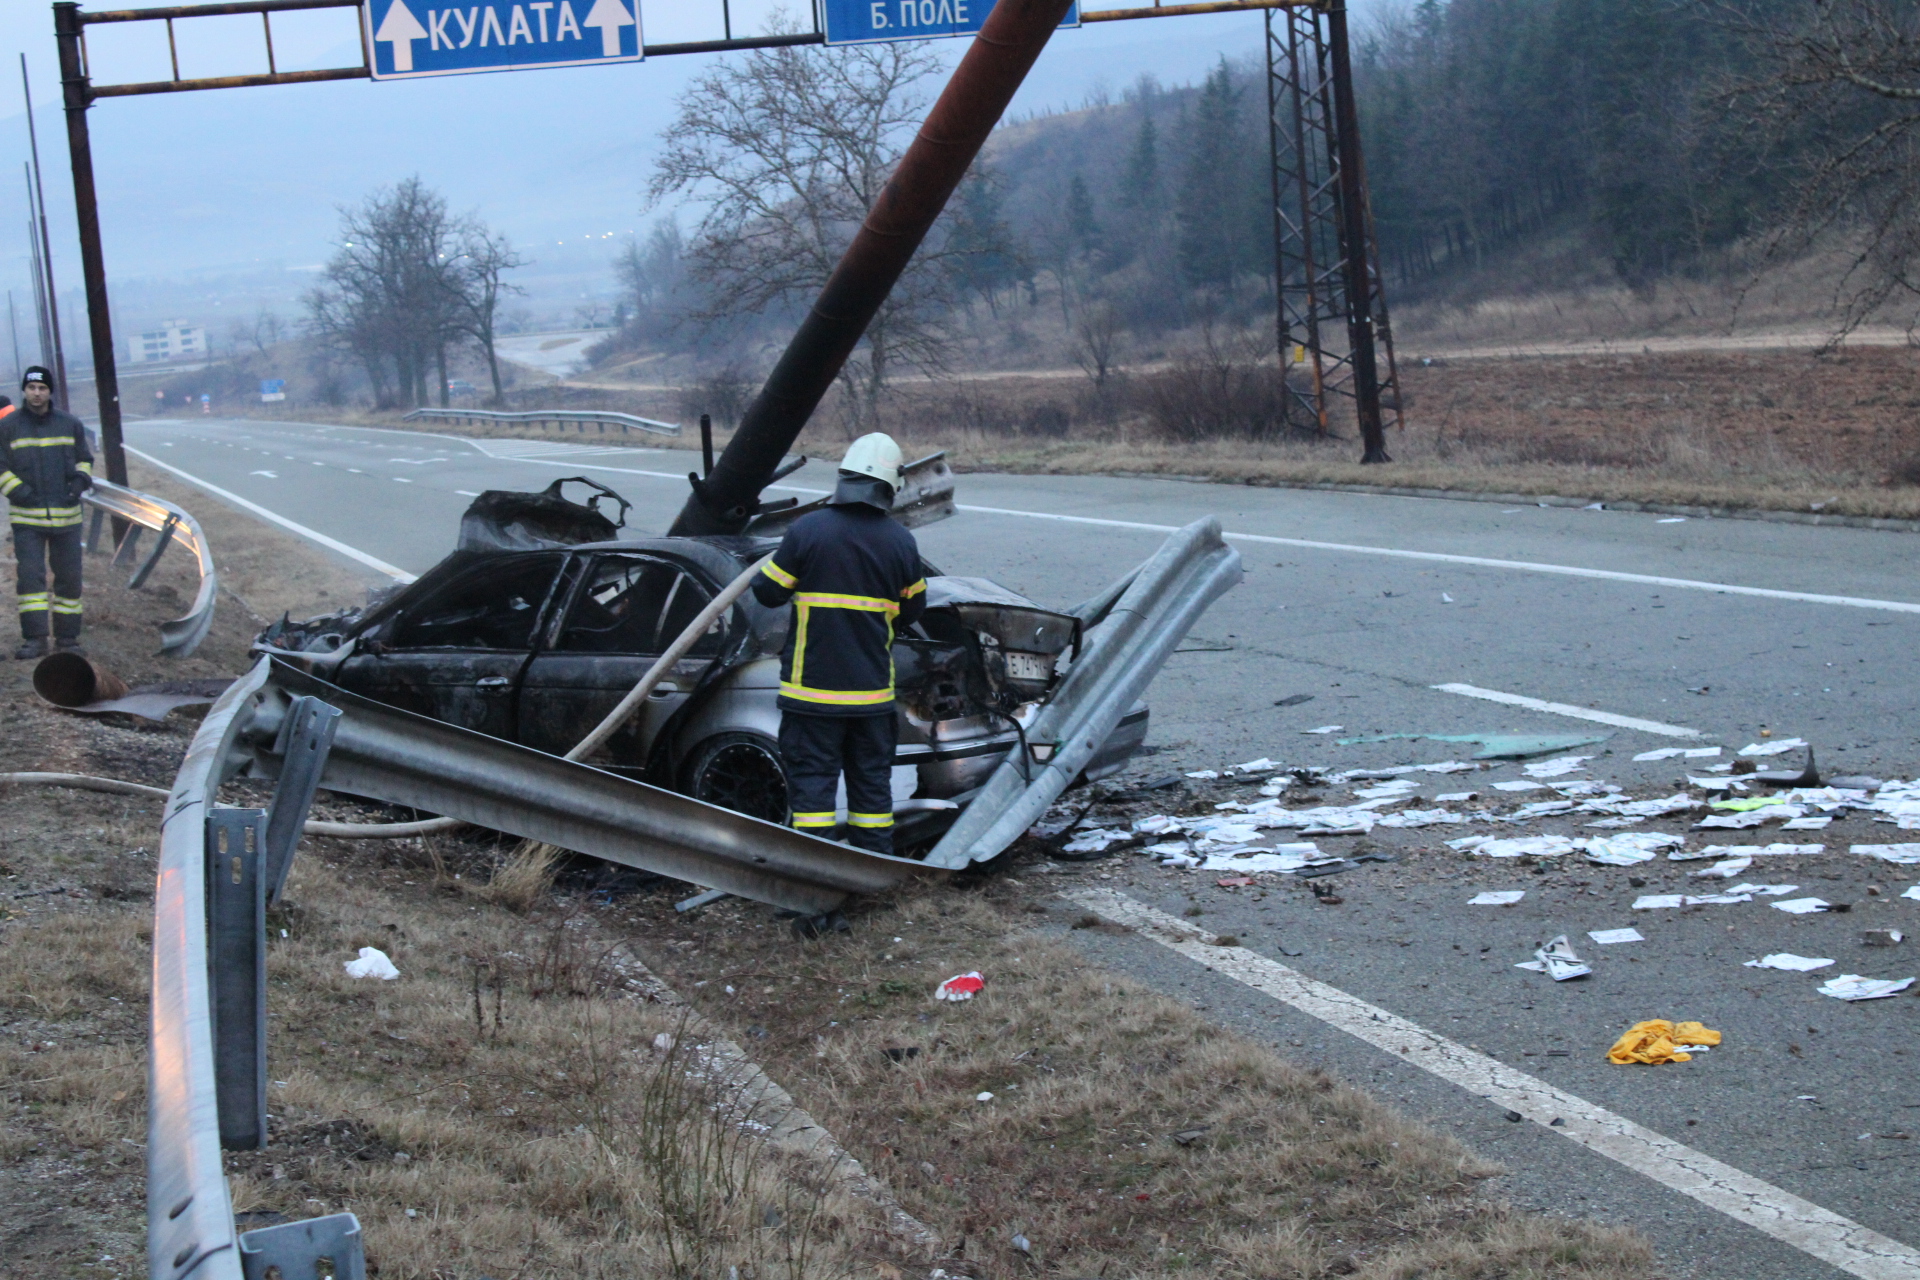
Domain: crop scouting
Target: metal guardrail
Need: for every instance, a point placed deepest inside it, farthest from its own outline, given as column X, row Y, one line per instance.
column 583, row 418
column 219, row 867
column 1137, row 623
column 183, row 635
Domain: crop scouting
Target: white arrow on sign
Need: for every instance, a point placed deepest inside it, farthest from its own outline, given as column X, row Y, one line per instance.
column 609, row 16
column 400, row 29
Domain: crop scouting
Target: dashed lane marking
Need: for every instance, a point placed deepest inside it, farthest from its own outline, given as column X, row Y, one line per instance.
column 1567, row 709
column 1818, row 1232
column 312, row 535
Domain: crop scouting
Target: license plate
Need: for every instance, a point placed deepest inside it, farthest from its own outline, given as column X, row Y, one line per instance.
column 1029, row 666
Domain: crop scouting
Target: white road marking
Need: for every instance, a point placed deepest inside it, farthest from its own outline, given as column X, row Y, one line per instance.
column 314, row 535
column 1566, row 709
column 1841, row 1242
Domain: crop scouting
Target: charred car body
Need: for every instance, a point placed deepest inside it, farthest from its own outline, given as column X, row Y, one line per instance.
column 544, row 618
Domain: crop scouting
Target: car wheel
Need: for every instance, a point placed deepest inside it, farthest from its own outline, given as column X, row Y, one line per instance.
column 741, row 772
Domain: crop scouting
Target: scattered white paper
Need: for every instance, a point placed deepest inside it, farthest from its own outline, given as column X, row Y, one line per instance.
column 1095, row 841
column 1255, row 766
column 1457, row 797
column 1789, row 961
column 1668, row 753
column 1710, row 899
column 1800, row 906
column 1772, row 748
column 1715, row 784
column 1819, row 823
column 1851, row 986
column 1738, row 821
column 1671, row 520
column 1497, row 898
column 1615, row 852
column 1901, row 854
column 1284, row 857
column 1555, row 767
column 1656, row 901
column 1204, row 773
column 1529, row 846
column 1913, row 893
column 1518, row 784
column 373, row 963
column 1764, row 890
column 1385, row 790
column 1607, row 937
column 1616, row 823
column 1726, row 868
column 1559, row 962
column 1445, row 598
column 1755, row 850
column 1325, row 728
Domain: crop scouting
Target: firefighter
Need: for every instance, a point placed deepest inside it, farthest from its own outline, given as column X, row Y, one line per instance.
column 853, row 575
column 45, row 466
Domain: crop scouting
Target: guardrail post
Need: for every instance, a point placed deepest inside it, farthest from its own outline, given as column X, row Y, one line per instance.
column 139, row 578
column 328, row 1247
column 306, row 735
column 237, row 972
column 128, row 546
column 93, row 530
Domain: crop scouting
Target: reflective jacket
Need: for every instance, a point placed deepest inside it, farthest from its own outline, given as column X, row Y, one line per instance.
column 39, row 454
column 854, row 577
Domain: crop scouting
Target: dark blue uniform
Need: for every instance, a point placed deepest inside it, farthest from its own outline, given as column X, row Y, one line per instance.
column 853, row 576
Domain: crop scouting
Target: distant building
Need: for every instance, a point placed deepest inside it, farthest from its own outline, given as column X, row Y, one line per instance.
column 178, row 340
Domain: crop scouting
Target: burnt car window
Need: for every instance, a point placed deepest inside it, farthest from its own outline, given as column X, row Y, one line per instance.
column 493, row 606
column 630, row 605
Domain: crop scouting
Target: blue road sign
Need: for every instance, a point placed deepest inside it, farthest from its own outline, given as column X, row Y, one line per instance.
column 865, row 21
column 406, row 39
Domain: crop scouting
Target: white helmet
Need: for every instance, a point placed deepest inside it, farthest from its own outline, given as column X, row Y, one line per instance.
column 875, row 455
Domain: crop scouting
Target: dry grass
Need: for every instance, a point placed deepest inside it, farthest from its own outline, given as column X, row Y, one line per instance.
column 1290, row 1172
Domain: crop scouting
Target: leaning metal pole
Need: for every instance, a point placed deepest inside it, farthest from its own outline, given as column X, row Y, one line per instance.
column 93, row 268
column 972, row 103
column 1354, row 240
column 62, row 392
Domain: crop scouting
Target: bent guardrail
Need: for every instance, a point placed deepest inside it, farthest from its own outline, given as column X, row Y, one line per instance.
column 583, row 418
column 1133, row 635
column 206, row 1078
column 183, row 635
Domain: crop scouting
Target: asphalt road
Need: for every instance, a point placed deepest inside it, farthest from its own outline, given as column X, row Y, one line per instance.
column 1801, row 1077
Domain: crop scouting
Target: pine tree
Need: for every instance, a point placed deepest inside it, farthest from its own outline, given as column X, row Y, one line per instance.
column 1141, row 187
column 1083, row 229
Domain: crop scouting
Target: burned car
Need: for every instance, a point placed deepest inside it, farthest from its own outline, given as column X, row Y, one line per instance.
column 545, row 617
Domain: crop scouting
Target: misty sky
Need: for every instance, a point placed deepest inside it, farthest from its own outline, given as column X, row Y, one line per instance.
column 225, row 180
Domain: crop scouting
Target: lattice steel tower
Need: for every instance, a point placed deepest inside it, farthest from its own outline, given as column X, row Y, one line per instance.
column 1335, row 344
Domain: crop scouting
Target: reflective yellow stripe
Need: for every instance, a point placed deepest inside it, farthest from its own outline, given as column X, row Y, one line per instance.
column 813, row 819
column 47, row 517
column 835, row 697
column 9, row 482
column 914, row 590
column 827, row 600
column 34, row 602
column 870, row 819
column 42, row 442
column 85, row 466
column 63, row 605
column 800, row 641
column 778, row 574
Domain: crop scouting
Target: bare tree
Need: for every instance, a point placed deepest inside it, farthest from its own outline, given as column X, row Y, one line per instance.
column 787, row 150
column 1835, row 101
column 485, row 257
column 1096, row 340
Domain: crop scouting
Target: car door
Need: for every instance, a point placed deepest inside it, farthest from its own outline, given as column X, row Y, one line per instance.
column 458, row 652
column 620, row 615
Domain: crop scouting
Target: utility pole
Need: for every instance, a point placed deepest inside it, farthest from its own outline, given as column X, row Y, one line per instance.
column 45, row 354
column 13, row 328
column 74, row 89
column 1355, row 242
column 46, row 247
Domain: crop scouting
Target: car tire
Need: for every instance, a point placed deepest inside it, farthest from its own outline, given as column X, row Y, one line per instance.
column 741, row 772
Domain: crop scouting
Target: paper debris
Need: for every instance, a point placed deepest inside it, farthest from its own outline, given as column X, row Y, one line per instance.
column 1325, row 728
column 1668, row 753
column 1204, row 773
column 1457, row 797
column 1657, row 901
column 1095, row 841
column 1535, row 846
column 1772, row 748
column 1799, row 906
column 1671, row 520
column 1518, row 784
column 1445, row 598
column 1727, row 868
column 1750, row 851
column 1882, row 938
column 1626, row 850
column 1539, row 809
column 1616, row 823
column 1156, row 824
column 1607, row 937
column 1819, row 823
column 373, row 963
column 1912, row 893
column 1559, row 961
column 1714, row 899
column 962, row 986
column 1657, row 1041
column 1255, row 766
column 1763, row 890
column 1497, row 898
column 1555, row 767
column 1788, row 961
column 1716, row 784
column 1901, row 854
column 1397, row 787
column 1851, row 986
column 1736, row 821
column 1286, row 857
